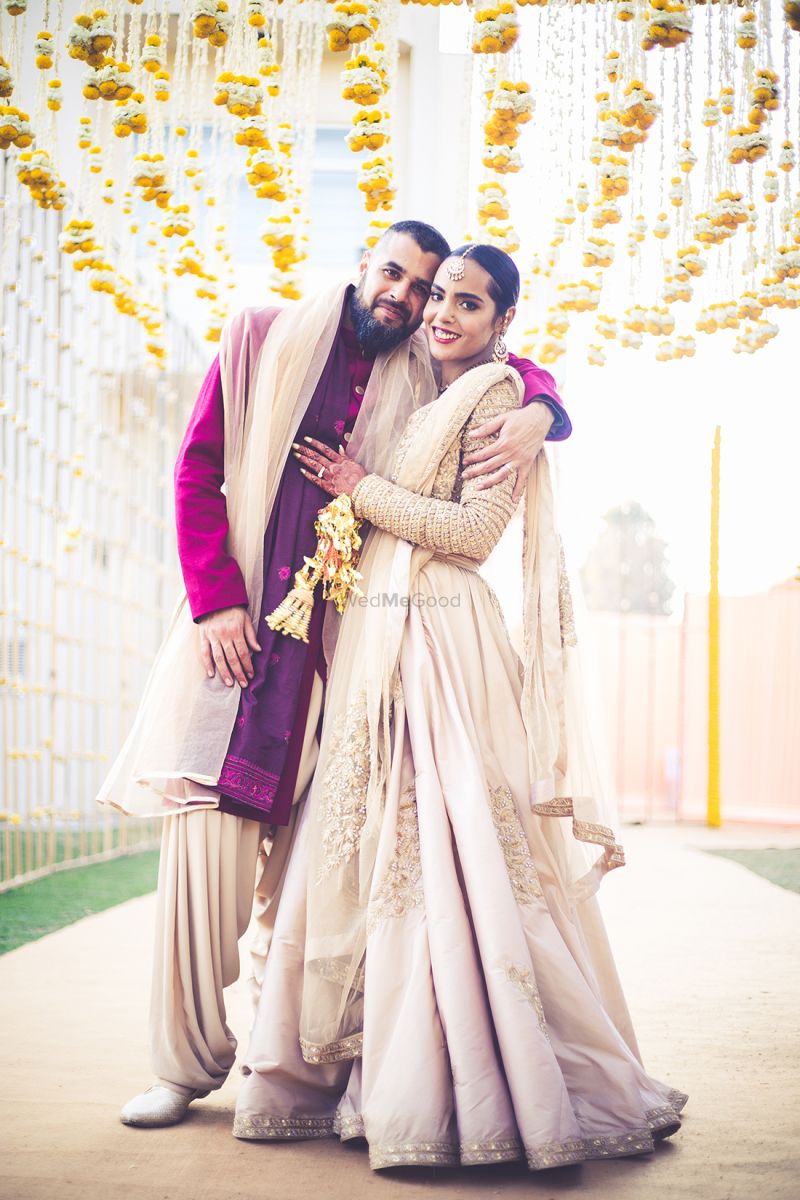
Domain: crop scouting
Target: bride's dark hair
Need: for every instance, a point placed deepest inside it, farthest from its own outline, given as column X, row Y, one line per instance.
column 504, row 285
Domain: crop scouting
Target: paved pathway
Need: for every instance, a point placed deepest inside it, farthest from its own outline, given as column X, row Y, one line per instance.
column 709, row 954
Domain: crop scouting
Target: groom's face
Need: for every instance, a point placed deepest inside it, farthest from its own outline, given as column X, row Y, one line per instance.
column 392, row 292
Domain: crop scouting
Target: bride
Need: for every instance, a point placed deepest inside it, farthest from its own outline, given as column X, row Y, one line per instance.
column 438, row 979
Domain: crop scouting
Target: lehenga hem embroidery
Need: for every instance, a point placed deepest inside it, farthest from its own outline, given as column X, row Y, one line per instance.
column 414, row 1154
column 538, row 1158
column 472, row 1154
column 258, row 1128
column 349, row 1127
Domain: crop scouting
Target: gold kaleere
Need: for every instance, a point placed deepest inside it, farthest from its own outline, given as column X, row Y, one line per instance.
column 334, row 562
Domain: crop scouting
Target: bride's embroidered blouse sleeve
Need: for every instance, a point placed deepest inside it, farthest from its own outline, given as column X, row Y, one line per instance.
column 473, row 523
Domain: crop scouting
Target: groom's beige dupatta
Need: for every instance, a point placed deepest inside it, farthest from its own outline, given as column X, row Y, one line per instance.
column 349, row 788
column 175, row 750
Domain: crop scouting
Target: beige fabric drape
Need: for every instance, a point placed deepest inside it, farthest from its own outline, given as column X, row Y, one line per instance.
column 205, row 895
column 364, row 687
column 172, row 758
column 207, row 875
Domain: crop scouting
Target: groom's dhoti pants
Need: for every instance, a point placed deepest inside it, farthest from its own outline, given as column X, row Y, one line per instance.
column 206, row 883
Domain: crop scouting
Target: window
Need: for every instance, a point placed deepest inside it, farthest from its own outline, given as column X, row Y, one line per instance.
column 338, row 219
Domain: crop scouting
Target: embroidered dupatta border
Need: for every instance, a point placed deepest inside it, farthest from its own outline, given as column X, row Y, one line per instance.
column 585, row 831
column 339, row 1051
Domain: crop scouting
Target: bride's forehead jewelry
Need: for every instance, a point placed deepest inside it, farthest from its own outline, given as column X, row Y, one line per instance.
column 455, row 265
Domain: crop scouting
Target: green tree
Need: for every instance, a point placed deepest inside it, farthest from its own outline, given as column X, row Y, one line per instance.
column 626, row 569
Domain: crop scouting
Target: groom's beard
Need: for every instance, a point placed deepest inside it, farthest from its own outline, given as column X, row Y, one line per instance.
column 373, row 336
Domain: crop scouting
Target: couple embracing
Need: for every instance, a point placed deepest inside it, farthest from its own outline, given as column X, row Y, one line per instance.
column 414, row 806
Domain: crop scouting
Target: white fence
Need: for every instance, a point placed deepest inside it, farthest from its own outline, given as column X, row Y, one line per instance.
column 88, row 569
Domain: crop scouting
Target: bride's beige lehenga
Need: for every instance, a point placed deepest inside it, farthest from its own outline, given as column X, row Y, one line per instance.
column 485, row 1021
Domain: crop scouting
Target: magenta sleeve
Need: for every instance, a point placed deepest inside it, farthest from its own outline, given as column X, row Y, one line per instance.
column 212, row 576
column 540, row 385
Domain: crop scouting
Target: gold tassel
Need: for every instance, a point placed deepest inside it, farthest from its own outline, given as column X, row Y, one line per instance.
column 293, row 614
column 334, row 562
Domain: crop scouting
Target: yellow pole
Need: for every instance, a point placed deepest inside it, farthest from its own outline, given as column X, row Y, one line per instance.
column 714, row 816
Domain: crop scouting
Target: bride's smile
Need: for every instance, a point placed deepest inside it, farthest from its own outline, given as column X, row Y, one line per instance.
column 443, row 336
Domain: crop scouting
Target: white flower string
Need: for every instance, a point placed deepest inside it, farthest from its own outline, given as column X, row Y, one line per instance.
column 687, row 211
column 470, row 128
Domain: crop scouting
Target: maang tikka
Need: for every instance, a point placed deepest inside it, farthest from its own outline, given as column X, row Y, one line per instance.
column 455, row 265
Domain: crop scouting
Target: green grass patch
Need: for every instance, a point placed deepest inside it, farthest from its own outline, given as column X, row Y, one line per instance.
column 781, row 866
column 34, row 909
column 29, row 847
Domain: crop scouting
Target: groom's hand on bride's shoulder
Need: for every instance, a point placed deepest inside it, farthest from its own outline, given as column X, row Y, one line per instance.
column 520, row 436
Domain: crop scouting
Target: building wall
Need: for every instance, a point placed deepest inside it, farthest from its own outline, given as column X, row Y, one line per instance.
column 653, row 677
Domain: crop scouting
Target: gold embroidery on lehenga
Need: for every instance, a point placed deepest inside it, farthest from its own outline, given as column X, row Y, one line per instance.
column 524, row 979
column 351, row 1126
column 613, row 1145
column 514, row 844
column 260, row 1128
column 401, row 1154
column 548, row 1154
column 395, row 1154
column 565, row 610
column 401, row 887
column 338, row 1051
column 344, row 787
column 496, row 1150
column 662, row 1117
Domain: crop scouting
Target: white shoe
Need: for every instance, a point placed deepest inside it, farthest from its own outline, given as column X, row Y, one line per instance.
column 158, row 1106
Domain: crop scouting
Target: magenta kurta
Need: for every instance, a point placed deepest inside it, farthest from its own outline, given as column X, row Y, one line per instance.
column 259, row 773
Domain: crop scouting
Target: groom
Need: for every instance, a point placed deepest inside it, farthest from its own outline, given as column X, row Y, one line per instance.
column 208, row 858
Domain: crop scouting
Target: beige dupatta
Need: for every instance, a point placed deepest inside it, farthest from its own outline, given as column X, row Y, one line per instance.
column 175, row 750
column 348, row 792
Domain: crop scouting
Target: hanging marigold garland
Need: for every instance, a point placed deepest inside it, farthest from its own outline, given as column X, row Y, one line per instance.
column 690, row 89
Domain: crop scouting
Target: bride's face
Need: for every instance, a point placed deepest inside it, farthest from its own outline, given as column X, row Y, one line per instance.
column 461, row 317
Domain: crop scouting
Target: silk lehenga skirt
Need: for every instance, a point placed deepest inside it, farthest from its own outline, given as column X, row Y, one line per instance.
column 495, row 1027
